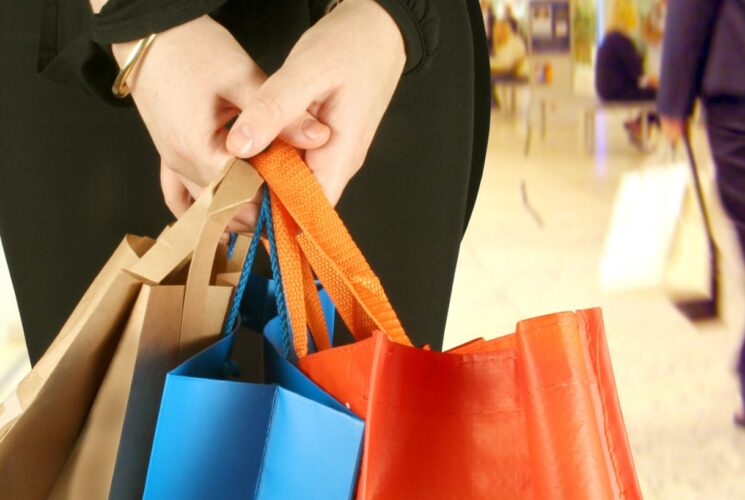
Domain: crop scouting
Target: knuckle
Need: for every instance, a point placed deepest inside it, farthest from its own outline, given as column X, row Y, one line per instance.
column 269, row 105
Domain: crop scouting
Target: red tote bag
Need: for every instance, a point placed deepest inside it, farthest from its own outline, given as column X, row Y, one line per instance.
column 532, row 415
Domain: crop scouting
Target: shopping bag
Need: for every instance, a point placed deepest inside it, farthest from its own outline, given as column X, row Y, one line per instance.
column 43, row 417
column 643, row 225
column 217, row 437
column 531, row 415
column 661, row 236
column 534, row 417
column 42, row 421
column 692, row 274
column 111, row 455
column 126, row 400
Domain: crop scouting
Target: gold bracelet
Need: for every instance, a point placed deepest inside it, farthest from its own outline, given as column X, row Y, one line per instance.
column 332, row 5
column 120, row 89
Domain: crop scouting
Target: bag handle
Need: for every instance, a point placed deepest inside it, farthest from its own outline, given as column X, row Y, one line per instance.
column 176, row 244
column 293, row 324
column 238, row 186
column 337, row 261
column 196, row 235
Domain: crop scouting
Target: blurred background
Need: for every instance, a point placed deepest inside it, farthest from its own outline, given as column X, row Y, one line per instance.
column 556, row 157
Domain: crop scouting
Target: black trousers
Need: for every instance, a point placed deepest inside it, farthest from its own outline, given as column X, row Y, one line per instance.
column 77, row 174
column 725, row 124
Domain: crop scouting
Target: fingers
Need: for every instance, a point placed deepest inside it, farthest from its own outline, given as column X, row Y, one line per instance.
column 179, row 194
column 336, row 163
column 279, row 104
column 306, row 133
column 245, row 220
column 176, row 195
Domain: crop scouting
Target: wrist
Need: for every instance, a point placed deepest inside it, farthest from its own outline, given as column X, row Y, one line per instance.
column 121, row 51
column 97, row 5
column 387, row 30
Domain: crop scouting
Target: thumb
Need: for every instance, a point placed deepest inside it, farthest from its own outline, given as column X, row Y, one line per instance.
column 279, row 104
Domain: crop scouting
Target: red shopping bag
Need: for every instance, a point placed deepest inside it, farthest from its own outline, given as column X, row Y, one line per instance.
column 531, row 415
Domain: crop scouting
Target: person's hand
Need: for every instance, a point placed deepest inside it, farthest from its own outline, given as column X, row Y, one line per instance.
column 672, row 128
column 191, row 82
column 344, row 70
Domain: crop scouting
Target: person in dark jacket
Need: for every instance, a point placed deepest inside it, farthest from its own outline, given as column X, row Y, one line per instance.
column 619, row 69
column 704, row 56
column 396, row 138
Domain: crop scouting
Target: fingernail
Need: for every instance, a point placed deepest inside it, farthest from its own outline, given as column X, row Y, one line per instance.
column 241, row 140
column 313, row 129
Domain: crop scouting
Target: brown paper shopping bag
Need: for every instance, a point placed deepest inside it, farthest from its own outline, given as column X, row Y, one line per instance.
column 43, row 418
column 147, row 346
column 111, row 456
column 53, row 399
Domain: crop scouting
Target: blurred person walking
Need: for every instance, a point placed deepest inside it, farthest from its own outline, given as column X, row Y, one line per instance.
column 704, row 56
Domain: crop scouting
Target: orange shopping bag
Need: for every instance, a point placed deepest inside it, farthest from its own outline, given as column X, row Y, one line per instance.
column 534, row 414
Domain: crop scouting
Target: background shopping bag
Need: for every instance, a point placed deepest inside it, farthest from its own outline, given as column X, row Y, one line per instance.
column 692, row 277
column 661, row 235
column 644, row 222
column 532, row 415
column 229, row 439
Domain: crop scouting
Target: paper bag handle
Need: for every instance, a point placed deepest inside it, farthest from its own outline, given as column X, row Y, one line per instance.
column 237, row 187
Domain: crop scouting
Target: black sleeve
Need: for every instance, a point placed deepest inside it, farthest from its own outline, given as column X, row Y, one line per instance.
column 419, row 23
column 688, row 29
column 74, row 48
column 74, row 43
column 126, row 20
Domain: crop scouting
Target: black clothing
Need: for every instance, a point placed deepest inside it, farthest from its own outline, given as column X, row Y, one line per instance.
column 702, row 54
column 725, row 127
column 74, row 44
column 618, row 69
column 76, row 173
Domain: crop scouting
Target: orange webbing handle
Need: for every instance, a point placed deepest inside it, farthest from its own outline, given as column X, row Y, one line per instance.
column 337, row 261
column 299, row 286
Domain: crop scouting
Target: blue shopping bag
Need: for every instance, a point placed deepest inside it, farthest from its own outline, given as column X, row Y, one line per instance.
column 220, row 438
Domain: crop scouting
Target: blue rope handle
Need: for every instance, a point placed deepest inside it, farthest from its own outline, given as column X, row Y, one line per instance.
column 231, row 245
column 265, row 218
column 284, row 316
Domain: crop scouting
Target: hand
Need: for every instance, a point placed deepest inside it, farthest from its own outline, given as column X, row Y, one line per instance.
column 344, row 70
column 191, row 82
column 672, row 128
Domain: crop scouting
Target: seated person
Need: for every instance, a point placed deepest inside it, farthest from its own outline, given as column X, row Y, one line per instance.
column 619, row 70
column 510, row 55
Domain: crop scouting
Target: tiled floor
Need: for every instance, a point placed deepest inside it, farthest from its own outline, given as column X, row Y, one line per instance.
column 674, row 378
